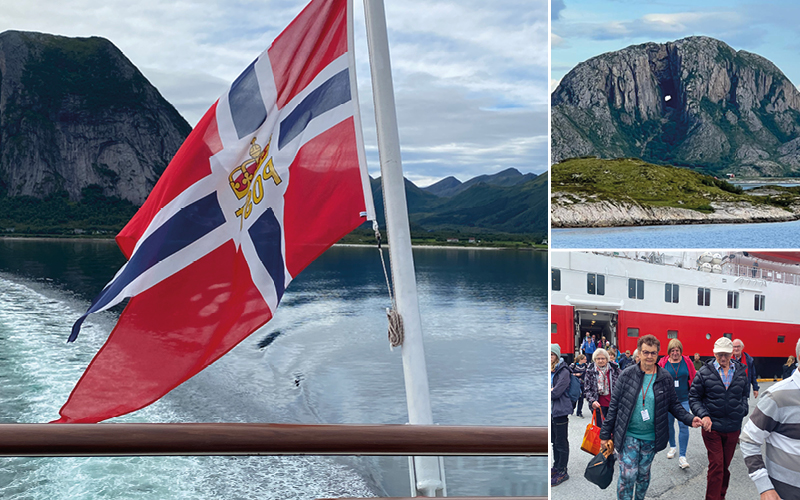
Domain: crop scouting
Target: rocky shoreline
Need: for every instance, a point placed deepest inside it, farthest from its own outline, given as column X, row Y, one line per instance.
column 567, row 212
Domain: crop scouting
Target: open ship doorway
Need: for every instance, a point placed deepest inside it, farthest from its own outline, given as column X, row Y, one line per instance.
column 596, row 323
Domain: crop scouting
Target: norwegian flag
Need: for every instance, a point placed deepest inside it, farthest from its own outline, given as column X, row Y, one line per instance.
column 270, row 178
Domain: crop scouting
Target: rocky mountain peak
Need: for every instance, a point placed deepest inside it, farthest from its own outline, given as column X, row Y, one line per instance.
column 694, row 101
column 76, row 112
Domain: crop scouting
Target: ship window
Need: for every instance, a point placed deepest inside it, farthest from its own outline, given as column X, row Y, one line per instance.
column 633, row 332
column 595, row 284
column 672, row 334
column 733, row 300
column 728, row 336
column 759, row 302
column 671, row 293
column 555, row 275
column 635, row 289
column 703, row 296
column 781, row 339
column 708, row 336
column 553, row 327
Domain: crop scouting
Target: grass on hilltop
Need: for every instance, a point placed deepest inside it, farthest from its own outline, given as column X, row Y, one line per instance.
column 630, row 179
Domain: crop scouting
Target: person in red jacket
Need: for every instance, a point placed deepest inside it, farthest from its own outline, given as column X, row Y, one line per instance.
column 682, row 371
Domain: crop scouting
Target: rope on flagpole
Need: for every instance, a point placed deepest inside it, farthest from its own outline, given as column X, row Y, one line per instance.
column 395, row 320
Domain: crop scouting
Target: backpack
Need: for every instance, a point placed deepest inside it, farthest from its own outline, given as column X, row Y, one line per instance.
column 574, row 389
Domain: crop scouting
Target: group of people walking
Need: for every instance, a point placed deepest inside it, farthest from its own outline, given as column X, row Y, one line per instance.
column 638, row 406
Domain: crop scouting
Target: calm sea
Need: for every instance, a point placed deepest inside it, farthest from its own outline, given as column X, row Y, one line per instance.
column 484, row 317
column 760, row 235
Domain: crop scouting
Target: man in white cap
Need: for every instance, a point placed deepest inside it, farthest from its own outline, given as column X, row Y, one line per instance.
column 718, row 396
column 775, row 422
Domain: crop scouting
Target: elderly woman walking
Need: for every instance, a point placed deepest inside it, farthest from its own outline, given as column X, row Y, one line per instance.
column 718, row 396
column 637, row 418
column 561, row 407
column 598, row 383
column 682, row 371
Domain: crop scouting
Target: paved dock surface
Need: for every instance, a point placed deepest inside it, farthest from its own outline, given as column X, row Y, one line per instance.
column 667, row 480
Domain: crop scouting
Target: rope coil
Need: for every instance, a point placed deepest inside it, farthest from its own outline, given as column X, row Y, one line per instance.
column 395, row 320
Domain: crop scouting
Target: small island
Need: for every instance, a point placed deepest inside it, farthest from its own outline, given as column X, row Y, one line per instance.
column 594, row 192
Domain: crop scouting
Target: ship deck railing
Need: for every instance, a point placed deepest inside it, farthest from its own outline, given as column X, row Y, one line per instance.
column 760, row 275
column 249, row 439
column 184, row 439
column 763, row 275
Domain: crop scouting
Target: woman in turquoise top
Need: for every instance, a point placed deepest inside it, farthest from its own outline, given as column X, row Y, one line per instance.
column 637, row 419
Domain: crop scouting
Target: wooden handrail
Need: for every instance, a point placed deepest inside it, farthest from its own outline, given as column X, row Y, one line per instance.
column 449, row 498
column 113, row 439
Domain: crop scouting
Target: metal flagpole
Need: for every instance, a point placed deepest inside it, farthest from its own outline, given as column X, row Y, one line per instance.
column 427, row 470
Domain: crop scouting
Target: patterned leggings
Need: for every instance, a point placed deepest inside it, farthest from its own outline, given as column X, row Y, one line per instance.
column 635, row 458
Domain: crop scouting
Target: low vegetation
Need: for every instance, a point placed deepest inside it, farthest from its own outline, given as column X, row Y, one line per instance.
column 630, row 179
column 56, row 215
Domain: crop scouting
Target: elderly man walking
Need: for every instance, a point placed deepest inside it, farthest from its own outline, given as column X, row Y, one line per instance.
column 774, row 422
column 719, row 397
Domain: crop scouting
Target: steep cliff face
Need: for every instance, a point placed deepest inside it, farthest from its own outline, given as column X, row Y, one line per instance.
column 75, row 112
column 693, row 102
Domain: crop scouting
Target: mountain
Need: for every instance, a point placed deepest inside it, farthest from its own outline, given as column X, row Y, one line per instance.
column 450, row 186
column 694, row 102
column 445, row 187
column 521, row 208
column 76, row 114
column 482, row 207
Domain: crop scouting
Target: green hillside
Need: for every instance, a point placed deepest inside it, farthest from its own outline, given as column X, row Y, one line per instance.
column 516, row 209
column 628, row 179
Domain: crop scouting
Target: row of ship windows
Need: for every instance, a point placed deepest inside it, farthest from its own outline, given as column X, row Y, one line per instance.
column 596, row 285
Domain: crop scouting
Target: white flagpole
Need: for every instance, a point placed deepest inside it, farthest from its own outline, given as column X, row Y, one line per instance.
column 426, row 469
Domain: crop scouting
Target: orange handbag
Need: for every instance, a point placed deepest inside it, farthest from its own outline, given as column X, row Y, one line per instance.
column 591, row 438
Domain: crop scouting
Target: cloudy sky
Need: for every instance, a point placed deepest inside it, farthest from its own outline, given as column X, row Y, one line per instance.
column 582, row 29
column 470, row 76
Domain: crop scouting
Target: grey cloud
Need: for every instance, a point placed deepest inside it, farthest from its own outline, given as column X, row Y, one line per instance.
column 556, row 6
column 470, row 76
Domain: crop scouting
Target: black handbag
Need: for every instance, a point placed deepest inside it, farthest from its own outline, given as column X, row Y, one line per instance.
column 600, row 470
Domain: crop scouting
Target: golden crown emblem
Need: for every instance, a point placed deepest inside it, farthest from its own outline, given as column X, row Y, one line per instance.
column 241, row 178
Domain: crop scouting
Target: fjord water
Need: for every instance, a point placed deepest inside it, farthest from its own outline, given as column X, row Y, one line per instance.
column 324, row 358
column 757, row 235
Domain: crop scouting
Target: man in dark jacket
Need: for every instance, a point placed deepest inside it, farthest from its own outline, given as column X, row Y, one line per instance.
column 749, row 366
column 637, row 418
column 719, row 397
column 624, row 360
column 561, row 407
column 578, row 369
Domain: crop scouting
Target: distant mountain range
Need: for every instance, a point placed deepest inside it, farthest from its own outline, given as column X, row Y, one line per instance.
column 507, row 202
column 84, row 137
column 695, row 102
column 450, row 186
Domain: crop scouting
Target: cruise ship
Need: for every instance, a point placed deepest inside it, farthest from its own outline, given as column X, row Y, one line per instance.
column 696, row 297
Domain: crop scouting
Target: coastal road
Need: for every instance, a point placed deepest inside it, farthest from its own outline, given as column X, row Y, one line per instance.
column 667, row 480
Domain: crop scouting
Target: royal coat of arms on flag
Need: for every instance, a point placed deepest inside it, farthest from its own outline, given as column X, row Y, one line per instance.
column 272, row 175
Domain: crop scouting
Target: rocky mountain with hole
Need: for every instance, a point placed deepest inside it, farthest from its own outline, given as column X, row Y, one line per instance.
column 75, row 113
column 695, row 102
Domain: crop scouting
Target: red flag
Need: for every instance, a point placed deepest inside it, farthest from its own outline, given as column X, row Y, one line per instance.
column 271, row 177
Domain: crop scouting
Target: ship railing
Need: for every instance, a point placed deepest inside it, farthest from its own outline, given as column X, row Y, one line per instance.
column 239, row 439
column 765, row 275
column 451, row 498
column 151, row 439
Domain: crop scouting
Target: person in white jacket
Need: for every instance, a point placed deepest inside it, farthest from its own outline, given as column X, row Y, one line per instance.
column 775, row 423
